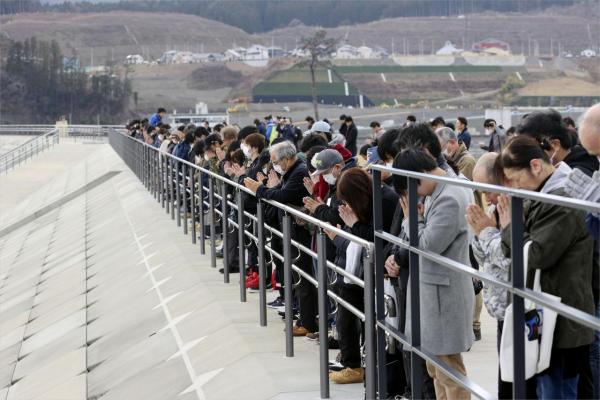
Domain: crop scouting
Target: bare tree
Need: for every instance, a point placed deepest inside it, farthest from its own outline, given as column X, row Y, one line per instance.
column 319, row 47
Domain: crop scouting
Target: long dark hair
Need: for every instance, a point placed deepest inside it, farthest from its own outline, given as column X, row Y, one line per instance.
column 355, row 187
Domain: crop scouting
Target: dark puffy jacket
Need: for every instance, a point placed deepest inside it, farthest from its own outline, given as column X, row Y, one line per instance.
column 562, row 249
column 291, row 189
column 579, row 158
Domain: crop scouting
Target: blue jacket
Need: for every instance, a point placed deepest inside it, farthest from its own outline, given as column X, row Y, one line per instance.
column 182, row 150
column 154, row 120
column 465, row 137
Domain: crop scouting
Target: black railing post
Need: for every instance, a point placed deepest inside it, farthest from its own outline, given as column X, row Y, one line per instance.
column 184, row 197
column 241, row 246
column 225, row 229
column 262, row 295
column 167, row 178
column 323, row 300
column 172, row 183
column 370, row 329
column 193, row 203
column 379, row 261
column 178, row 192
column 211, row 216
column 201, row 211
column 161, row 179
column 416, row 373
column 518, row 281
column 287, row 283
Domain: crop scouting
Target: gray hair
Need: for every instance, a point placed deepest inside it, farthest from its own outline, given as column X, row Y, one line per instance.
column 445, row 134
column 283, row 150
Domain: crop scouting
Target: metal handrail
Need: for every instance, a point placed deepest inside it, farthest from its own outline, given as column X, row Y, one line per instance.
column 516, row 287
column 163, row 174
column 27, row 150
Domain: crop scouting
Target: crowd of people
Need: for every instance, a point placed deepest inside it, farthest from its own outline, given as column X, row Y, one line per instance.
column 324, row 172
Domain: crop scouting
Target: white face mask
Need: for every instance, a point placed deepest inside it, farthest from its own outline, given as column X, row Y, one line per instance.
column 389, row 164
column 265, row 169
column 330, row 179
column 278, row 169
column 246, row 150
column 206, row 157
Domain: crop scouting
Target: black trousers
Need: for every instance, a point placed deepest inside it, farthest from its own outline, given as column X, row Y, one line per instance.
column 305, row 292
column 349, row 326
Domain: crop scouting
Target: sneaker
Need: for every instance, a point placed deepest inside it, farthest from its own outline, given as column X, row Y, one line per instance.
column 294, row 314
column 347, row 375
column 314, row 336
column 477, row 333
column 335, row 366
column 278, row 302
column 219, row 253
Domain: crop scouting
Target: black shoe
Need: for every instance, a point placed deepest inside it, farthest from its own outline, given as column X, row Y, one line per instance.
column 231, row 270
column 332, row 343
column 294, row 313
column 477, row 333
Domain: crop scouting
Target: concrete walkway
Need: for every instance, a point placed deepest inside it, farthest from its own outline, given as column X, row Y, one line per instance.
column 104, row 297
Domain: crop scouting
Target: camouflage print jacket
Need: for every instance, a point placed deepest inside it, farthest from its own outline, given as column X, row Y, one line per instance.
column 488, row 252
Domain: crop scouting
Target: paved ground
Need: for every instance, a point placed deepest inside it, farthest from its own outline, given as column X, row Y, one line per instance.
column 104, row 297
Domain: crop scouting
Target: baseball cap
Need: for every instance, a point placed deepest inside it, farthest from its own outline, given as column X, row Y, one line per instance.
column 325, row 160
column 213, row 139
column 320, row 126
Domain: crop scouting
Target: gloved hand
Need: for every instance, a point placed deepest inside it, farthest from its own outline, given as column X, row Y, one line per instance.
column 580, row 186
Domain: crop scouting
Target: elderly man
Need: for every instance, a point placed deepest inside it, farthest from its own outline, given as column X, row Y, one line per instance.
column 289, row 189
column 456, row 152
column 581, row 186
column 488, row 251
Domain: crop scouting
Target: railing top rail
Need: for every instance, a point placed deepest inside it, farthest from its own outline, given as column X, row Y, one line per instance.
column 28, row 142
column 289, row 210
column 525, row 194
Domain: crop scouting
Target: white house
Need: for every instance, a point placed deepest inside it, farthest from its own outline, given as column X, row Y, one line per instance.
column 134, row 59
column 346, row 52
column 448, row 49
column 588, row 53
column 366, row 52
column 183, row 57
column 256, row 52
column 233, row 55
column 167, row 57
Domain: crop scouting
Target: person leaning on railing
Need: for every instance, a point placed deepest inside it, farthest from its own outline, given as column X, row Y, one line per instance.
column 581, row 186
column 286, row 185
column 446, row 296
column 487, row 249
column 562, row 249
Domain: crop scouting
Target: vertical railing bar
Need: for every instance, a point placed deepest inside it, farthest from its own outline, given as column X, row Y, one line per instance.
column 287, row 283
column 415, row 309
column 323, row 301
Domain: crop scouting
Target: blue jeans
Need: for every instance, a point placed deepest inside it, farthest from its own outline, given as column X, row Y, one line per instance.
column 560, row 380
column 595, row 358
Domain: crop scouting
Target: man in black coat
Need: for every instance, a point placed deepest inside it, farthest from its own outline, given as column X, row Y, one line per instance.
column 287, row 187
column 351, row 134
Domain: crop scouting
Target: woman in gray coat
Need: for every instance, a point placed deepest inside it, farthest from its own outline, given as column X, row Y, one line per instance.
column 446, row 296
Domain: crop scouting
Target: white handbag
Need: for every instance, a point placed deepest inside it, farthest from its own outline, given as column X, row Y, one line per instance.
column 537, row 350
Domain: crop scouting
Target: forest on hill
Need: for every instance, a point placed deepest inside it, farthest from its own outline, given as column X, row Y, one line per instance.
column 38, row 85
column 256, row 16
